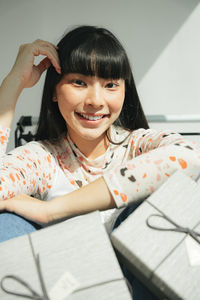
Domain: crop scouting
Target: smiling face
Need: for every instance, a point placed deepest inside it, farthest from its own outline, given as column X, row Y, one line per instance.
column 89, row 105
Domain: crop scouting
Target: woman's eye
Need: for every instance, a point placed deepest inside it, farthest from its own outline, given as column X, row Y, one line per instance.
column 111, row 85
column 78, row 82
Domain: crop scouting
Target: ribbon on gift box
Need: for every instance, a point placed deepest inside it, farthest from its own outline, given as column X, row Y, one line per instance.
column 177, row 227
column 34, row 295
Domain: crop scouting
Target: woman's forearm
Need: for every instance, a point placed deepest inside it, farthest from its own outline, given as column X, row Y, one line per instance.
column 94, row 196
column 10, row 90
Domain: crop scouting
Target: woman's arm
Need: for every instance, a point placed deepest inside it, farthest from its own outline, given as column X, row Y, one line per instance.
column 15, row 168
column 125, row 184
column 133, row 181
column 25, row 74
column 29, row 169
column 140, row 177
column 94, row 196
column 9, row 92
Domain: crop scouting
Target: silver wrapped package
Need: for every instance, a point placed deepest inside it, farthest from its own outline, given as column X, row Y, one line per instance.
column 157, row 241
column 78, row 249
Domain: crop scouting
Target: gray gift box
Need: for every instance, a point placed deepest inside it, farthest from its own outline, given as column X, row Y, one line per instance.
column 160, row 258
column 79, row 246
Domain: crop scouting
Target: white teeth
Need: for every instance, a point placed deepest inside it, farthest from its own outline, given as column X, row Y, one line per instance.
column 91, row 118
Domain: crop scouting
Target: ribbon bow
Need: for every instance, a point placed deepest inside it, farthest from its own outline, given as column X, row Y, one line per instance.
column 177, row 227
column 34, row 295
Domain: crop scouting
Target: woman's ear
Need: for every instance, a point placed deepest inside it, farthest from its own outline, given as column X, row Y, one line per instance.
column 55, row 98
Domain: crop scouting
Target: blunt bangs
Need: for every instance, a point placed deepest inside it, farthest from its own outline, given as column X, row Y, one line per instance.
column 95, row 55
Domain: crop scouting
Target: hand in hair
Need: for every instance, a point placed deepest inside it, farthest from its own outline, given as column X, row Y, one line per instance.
column 24, row 67
column 25, row 74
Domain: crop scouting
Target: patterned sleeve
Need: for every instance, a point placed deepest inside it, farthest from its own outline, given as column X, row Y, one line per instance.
column 28, row 169
column 4, row 136
column 155, row 156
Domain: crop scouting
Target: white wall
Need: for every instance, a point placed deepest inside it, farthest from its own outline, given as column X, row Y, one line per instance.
column 172, row 83
column 161, row 38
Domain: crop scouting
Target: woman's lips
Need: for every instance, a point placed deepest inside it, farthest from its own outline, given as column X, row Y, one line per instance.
column 91, row 117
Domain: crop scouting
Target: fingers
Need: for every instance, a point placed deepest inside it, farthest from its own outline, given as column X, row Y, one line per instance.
column 24, row 69
column 49, row 50
column 44, row 65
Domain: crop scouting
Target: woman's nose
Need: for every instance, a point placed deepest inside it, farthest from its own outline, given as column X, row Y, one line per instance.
column 95, row 96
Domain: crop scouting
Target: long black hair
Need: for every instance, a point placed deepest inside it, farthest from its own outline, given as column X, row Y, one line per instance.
column 91, row 51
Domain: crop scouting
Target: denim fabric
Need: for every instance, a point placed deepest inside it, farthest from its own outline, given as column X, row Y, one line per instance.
column 12, row 225
column 140, row 292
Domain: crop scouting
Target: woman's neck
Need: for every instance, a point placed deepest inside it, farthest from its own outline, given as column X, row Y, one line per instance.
column 92, row 148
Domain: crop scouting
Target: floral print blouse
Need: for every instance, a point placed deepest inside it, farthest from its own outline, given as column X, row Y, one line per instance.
column 132, row 169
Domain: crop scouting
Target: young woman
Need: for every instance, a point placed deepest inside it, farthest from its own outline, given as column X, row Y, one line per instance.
column 94, row 150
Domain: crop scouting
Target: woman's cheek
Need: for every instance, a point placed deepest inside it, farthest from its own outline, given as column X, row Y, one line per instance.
column 69, row 102
column 116, row 104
